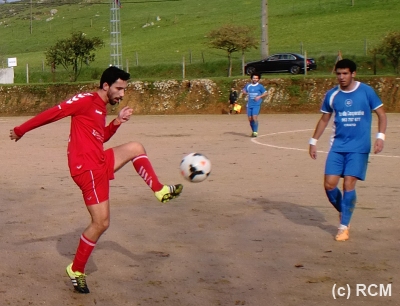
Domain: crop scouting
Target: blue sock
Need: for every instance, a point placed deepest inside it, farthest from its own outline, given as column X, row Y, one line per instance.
column 252, row 125
column 255, row 124
column 335, row 197
column 348, row 205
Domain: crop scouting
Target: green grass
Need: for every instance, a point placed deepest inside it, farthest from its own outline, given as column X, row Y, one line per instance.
column 320, row 27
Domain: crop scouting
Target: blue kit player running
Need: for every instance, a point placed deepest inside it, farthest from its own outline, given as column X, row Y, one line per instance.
column 352, row 104
column 256, row 92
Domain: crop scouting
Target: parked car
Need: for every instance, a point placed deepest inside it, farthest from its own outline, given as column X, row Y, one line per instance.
column 281, row 62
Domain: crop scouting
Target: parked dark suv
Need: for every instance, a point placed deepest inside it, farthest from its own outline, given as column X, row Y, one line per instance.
column 281, row 62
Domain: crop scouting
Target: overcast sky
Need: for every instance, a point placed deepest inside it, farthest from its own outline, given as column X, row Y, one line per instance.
column 2, row 1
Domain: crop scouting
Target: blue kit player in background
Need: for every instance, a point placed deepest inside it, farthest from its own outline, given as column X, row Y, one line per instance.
column 256, row 92
column 352, row 104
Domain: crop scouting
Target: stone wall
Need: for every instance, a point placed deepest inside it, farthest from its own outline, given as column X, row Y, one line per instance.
column 202, row 96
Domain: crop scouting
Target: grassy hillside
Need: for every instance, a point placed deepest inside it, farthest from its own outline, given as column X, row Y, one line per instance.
column 321, row 27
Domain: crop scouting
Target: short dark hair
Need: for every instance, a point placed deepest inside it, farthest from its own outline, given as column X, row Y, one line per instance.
column 257, row 74
column 112, row 74
column 346, row 63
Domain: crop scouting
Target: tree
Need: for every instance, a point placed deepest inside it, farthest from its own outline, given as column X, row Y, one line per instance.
column 374, row 51
column 246, row 42
column 72, row 52
column 390, row 47
column 232, row 38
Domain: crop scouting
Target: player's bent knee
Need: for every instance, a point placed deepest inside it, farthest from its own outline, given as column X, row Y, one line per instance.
column 136, row 147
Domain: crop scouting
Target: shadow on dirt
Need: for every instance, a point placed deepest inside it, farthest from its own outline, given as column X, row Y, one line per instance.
column 302, row 215
column 66, row 245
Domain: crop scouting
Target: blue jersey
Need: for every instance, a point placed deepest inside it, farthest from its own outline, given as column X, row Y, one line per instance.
column 352, row 118
column 254, row 90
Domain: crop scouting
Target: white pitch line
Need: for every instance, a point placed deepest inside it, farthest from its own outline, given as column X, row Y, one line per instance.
column 304, row 150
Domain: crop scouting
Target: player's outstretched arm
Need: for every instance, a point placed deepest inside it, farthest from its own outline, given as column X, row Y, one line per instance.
column 50, row 115
column 14, row 136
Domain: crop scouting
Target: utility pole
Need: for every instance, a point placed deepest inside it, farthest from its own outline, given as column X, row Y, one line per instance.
column 115, row 34
column 31, row 18
column 264, row 29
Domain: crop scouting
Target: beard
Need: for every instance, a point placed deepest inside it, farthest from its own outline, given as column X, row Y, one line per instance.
column 114, row 102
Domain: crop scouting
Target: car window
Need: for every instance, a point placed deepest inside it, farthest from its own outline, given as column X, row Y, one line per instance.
column 288, row 57
column 273, row 58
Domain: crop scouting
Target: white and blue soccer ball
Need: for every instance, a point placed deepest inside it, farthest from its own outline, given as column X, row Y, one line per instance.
column 195, row 167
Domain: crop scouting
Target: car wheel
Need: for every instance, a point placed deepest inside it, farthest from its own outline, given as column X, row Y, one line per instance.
column 250, row 70
column 295, row 69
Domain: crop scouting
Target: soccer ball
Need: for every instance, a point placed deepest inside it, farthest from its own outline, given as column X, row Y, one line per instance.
column 195, row 167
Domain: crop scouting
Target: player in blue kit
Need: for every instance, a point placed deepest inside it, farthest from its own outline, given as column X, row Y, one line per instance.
column 256, row 92
column 352, row 104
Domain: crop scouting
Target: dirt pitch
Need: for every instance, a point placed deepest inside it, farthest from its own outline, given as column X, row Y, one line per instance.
column 258, row 232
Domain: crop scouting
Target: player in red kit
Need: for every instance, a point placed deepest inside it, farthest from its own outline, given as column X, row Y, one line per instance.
column 91, row 166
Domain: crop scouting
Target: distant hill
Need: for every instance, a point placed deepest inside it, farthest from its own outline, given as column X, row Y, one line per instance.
column 156, row 32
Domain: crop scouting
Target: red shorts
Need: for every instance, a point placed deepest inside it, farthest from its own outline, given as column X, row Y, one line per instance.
column 95, row 184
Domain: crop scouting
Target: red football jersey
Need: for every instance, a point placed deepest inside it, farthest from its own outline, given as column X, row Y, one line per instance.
column 88, row 129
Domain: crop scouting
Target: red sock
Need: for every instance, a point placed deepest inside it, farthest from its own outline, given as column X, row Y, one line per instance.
column 144, row 168
column 83, row 252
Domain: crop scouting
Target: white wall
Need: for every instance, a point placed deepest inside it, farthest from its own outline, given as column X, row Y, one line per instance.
column 6, row 75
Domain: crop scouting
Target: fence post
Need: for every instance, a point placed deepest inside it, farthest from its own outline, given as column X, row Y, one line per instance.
column 27, row 73
column 183, row 67
column 243, row 64
column 365, row 47
column 53, row 72
column 305, row 63
column 127, row 65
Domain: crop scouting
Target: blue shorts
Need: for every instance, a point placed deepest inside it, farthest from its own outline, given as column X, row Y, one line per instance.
column 347, row 164
column 253, row 110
